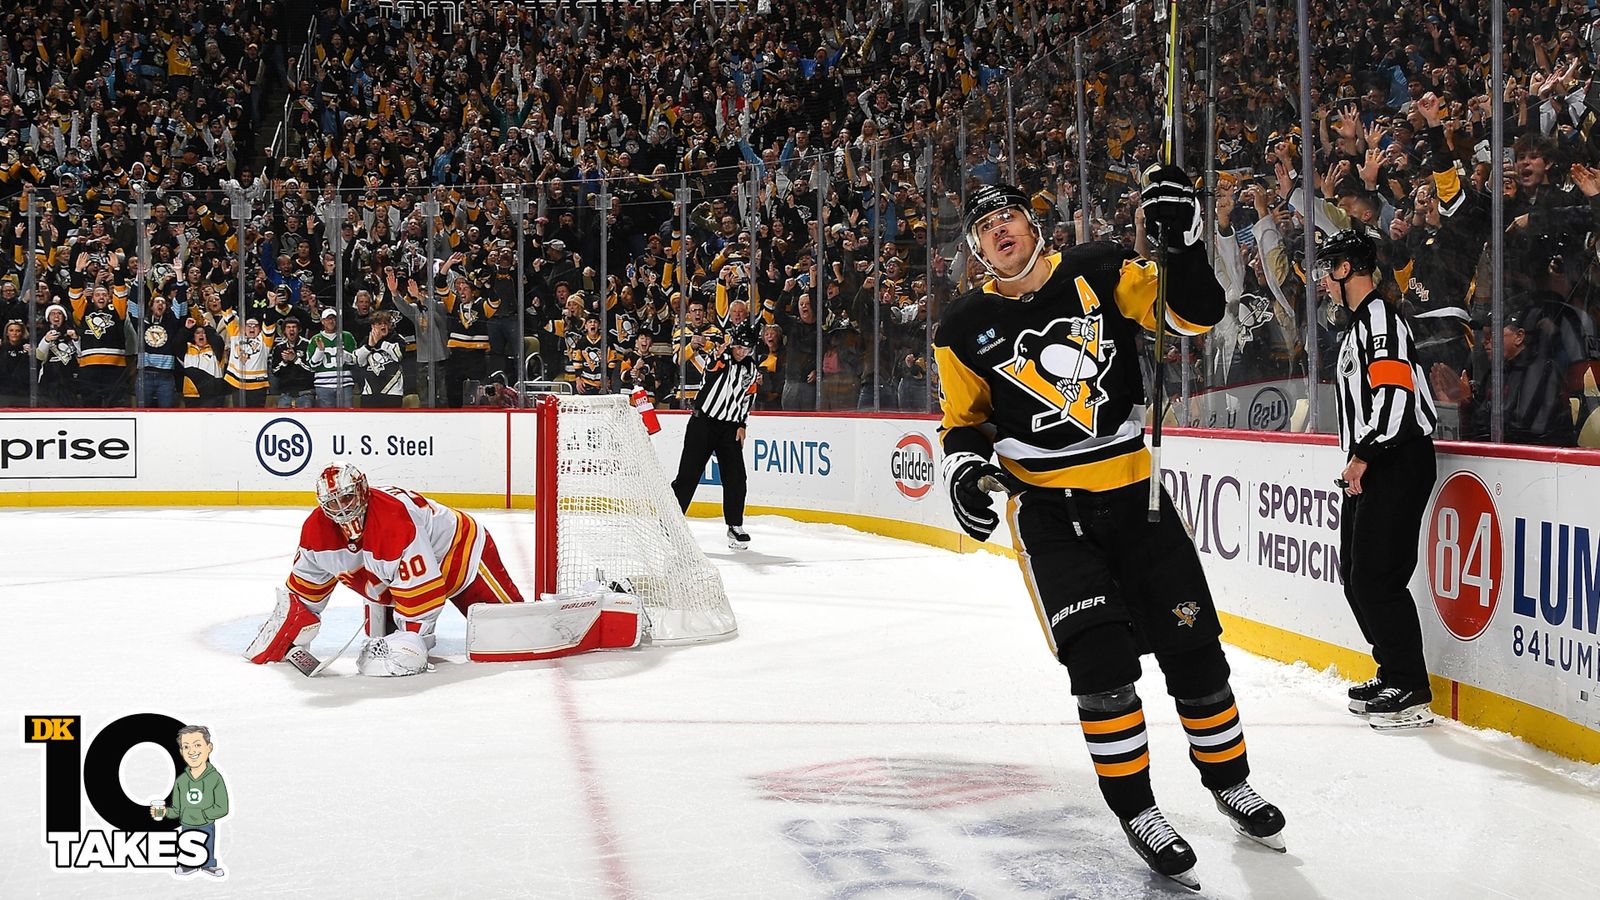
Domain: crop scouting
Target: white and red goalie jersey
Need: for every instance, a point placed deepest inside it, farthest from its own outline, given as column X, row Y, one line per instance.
column 411, row 553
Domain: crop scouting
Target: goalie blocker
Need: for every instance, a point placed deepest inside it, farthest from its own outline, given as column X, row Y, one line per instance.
column 557, row 625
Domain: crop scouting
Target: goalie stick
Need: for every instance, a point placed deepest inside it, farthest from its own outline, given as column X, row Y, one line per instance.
column 302, row 659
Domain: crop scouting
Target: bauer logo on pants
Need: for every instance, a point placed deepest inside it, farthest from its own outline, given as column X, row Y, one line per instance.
column 173, row 827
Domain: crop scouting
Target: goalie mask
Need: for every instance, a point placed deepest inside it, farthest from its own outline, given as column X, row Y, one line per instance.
column 990, row 205
column 342, row 494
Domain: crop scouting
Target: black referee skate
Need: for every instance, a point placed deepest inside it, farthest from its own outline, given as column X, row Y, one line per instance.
column 1362, row 694
column 1252, row 816
column 1161, row 847
column 1400, row 709
column 738, row 538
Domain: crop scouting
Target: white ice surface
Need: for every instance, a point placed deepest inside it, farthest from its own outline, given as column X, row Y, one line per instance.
column 887, row 724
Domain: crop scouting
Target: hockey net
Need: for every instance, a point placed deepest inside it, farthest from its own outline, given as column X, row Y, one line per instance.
column 615, row 518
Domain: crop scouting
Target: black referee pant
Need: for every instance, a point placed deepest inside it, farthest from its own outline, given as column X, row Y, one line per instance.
column 704, row 437
column 1378, row 534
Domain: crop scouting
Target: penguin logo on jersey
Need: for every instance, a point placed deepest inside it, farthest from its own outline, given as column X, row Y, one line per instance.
column 1062, row 366
column 1187, row 612
column 99, row 323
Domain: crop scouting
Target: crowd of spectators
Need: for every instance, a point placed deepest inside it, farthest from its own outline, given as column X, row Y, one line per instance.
column 891, row 111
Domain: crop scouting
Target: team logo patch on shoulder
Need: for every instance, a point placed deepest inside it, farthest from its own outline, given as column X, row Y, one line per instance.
column 1062, row 366
column 1187, row 612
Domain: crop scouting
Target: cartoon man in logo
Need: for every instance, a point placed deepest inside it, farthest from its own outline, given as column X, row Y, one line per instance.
column 199, row 798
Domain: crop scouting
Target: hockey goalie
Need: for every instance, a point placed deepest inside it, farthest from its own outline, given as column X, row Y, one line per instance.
column 407, row 556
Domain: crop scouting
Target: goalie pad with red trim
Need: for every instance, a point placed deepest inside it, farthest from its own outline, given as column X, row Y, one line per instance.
column 557, row 625
column 293, row 623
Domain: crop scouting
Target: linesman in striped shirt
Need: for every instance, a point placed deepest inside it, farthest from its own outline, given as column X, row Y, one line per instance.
column 717, row 427
column 1386, row 419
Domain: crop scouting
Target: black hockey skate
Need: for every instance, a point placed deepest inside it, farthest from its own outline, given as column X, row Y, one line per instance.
column 738, row 538
column 1252, row 816
column 1161, row 847
column 1400, row 709
column 1362, row 694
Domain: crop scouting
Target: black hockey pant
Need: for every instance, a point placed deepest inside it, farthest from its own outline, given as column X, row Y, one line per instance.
column 706, row 436
column 1378, row 553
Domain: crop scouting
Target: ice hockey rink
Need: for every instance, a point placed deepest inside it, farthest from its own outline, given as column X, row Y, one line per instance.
column 887, row 724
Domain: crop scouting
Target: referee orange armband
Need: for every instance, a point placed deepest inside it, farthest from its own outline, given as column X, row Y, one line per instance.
column 1391, row 373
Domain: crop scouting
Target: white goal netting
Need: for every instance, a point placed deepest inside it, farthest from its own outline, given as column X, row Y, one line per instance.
column 617, row 517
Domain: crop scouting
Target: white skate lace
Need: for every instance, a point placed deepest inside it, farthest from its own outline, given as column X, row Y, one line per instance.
column 1370, row 683
column 1151, row 827
column 1243, row 798
column 1387, row 694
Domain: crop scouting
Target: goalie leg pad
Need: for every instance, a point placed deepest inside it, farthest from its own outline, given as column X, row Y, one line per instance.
column 293, row 623
column 557, row 625
column 401, row 653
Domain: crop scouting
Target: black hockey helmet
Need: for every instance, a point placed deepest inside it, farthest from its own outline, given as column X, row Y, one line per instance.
column 744, row 335
column 1350, row 245
column 991, row 198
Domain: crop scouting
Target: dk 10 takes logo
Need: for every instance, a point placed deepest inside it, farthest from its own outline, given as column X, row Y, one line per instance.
column 911, row 465
column 177, row 833
column 283, row 446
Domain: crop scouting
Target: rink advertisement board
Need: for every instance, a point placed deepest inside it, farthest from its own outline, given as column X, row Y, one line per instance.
column 1508, row 576
column 267, row 457
column 56, row 448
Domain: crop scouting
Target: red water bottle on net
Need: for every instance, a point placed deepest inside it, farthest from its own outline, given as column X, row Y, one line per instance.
column 647, row 410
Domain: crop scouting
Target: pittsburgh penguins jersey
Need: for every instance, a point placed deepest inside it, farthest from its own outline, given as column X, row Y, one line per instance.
column 1051, row 382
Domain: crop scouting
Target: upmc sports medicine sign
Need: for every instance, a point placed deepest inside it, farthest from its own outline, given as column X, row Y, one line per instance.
column 38, row 447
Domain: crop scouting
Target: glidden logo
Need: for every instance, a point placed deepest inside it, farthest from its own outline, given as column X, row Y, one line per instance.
column 911, row 464
column 283, row 446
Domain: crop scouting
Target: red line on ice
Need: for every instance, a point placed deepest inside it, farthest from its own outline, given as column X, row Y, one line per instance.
column 605, row 835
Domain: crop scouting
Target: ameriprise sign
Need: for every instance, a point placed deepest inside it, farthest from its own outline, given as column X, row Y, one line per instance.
column 68, row 447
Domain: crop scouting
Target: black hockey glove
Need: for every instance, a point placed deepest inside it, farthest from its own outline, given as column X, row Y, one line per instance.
column 973, row 506
column 1168, row 200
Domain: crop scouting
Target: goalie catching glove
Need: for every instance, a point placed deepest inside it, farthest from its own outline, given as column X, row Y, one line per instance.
column 1168, row 200
column 973, row 506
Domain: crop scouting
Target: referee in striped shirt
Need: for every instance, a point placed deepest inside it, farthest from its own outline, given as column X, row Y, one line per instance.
column 717, row 427
column 1386, row 419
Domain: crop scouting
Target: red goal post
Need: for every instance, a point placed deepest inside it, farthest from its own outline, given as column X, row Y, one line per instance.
column 604, row 510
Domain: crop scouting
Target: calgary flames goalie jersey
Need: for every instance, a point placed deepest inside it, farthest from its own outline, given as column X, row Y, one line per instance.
column 413, row 553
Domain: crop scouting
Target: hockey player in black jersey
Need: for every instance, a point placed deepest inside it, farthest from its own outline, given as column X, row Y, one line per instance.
column 1039, row 368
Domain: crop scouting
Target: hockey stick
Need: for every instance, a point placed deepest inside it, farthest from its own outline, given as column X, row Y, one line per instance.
column 301, row 658
column 1154, row 513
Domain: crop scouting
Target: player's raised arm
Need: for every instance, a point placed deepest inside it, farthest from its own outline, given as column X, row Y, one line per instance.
column 1198, row 301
